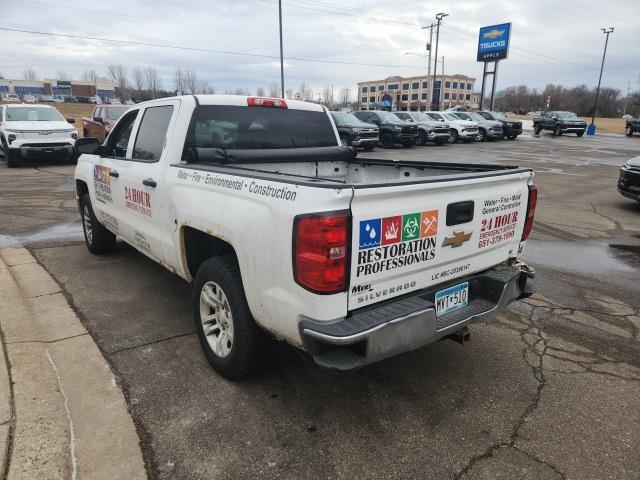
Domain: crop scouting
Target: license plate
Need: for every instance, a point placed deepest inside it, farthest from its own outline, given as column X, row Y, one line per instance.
column 452, row 298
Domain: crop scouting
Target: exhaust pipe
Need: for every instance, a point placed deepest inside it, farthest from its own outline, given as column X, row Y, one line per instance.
column 462, row 336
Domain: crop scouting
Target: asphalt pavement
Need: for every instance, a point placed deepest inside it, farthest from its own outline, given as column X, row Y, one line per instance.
column 551, row 389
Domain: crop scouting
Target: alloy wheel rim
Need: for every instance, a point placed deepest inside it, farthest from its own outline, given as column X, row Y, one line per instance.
column 216, row 319
column 88, row 230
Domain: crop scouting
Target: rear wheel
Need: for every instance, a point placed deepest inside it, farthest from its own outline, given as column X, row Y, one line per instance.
column 482, row 135
column 96, row 236
column 581, row 133
column 557, row 131
column 629, row 130
column 228, row 334
column 536, row 129
column 386, row 140
column 422, row 138
column 453, row 135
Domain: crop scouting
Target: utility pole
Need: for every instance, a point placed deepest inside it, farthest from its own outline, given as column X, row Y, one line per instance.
column 591, row 129
column 281, row 55
column 626, row 99
column 441, row 82
column 439, row 17
column 429, row 45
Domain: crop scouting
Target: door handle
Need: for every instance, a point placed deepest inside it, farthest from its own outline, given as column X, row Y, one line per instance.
column 114, row 173
column 149, row 182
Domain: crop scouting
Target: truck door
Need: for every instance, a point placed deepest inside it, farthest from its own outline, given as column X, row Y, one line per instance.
column 139, row 175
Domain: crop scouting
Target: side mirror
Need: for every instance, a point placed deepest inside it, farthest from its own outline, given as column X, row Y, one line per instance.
column 554, row 118
column 88, row 145
column 100, row 120
column 71, row 120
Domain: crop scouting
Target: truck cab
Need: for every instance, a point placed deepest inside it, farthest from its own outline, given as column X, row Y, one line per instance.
column 102, row 120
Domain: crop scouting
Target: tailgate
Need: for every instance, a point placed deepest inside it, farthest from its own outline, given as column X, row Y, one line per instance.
column 404, row 240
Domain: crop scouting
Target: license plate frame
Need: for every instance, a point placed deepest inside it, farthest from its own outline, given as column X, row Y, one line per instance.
column 452, row 298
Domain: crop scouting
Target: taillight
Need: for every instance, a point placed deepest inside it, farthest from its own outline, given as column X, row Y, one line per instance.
column 321, row 251
column 531, row 210
column 266, row 102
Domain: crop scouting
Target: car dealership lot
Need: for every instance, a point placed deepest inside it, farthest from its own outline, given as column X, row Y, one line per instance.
column 550, row 390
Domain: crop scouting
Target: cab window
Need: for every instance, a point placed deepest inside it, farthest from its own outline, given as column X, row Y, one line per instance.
column 118, row 141
column 152, row 133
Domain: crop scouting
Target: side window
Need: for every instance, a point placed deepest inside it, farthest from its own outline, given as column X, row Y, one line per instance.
column 118, row 141
column 98, row 113
column 152, row 133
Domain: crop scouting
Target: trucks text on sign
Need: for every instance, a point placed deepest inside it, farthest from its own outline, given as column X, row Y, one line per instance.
column 493, row 43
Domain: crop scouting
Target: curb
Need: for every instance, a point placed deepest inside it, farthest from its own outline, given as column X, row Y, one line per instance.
column 65, row 416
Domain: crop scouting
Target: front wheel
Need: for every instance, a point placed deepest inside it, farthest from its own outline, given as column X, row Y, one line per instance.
column 536, row 130
column 97, row 238
column 557, row 131
column 386, row 140
column 230, row 338
column 629, row 130
column 580, row 133
column 453, row 136
column 482, row 135
column 422, row 138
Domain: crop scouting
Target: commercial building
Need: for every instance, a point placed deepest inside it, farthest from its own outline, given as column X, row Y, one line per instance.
column 418, row 93
column 58, row 88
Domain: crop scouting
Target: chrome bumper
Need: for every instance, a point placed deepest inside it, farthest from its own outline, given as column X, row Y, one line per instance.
column 400, row 326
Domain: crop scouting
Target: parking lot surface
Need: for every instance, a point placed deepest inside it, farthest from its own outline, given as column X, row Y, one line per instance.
column 549, row 390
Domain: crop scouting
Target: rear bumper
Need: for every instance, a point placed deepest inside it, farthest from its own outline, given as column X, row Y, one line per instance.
column 409, row 323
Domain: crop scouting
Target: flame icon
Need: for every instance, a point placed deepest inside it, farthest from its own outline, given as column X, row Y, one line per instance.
column 391, row 232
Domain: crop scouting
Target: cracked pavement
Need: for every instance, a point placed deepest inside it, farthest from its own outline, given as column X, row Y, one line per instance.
column 550, row 390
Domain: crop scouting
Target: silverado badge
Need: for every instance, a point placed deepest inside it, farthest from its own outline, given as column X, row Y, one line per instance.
column 457, row 239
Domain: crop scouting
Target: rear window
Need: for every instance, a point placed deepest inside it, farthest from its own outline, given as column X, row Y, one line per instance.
column 240, row 128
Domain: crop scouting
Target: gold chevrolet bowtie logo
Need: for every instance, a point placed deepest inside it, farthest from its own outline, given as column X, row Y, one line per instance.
column 495, row 33
column 457, row 239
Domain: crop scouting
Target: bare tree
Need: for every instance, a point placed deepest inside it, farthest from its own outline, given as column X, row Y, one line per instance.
column 191, row 81
column 288, row 94
column 345, row 96
column 205, row 88
column 274, row 89
column 178, row 81
column 1, row 75
column 241, row 91
column 90, row 76
column 152, row 81
column 327, row 95
column 306, row 91
column 260, row 92
column 29, row 74
column 118, row 75
column 62, row 75
column 138, row 79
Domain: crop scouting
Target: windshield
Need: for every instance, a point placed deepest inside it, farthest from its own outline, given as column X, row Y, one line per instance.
column 114, row 113
column 567, row 116
column 235, row 128
column 475, row 116
column 436, row 116
column 450, row 116
column 420, row 117
column 342, row 118
column 35, row 114
column 462, row 116
column 388, row 117
column 499, row 115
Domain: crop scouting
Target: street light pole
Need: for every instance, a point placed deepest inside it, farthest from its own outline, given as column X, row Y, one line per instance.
column 281, row 55
column 439, row 17
column 592, row 128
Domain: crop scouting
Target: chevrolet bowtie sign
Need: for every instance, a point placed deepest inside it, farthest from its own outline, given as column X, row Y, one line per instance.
column 457, row 239
column 493, row 43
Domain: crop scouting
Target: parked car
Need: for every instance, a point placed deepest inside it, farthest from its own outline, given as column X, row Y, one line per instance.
column 129, row 102
column 30, row 132
column 29, row 99
column 511, row 128
column 278, row 230
column 629, row 179
column 102, row 120
column 70, row 100
column 632, row 125
column 458, row 129
column 354, row 132
column 83, row 99
column 392, row 129
column 487, row 129
column 559, row 123
column 114, row 101
column 429, row 130
column 11, row 97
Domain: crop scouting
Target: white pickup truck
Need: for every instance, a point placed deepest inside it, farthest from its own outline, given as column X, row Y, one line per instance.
column 285, row 234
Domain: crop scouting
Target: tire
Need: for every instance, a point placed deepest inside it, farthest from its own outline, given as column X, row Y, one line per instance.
column 557, row 132
column 536, row 129
column 579, row 134
column 482, row 135
column 368, row 148
column 6, row 153
column 233, row 343
column 512, row 137
column 629, row 131
column 386, row 140
column 453, row 135
column 421, row 140
column 97, row 238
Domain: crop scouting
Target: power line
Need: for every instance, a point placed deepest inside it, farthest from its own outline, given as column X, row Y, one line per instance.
column 205, row 50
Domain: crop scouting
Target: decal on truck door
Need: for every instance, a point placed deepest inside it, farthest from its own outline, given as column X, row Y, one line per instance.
column 102, row 183
column 393, row 242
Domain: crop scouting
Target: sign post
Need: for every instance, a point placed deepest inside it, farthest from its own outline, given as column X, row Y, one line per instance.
column 493, row 46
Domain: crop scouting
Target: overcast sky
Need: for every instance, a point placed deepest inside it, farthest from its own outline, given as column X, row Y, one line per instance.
column 552, row 41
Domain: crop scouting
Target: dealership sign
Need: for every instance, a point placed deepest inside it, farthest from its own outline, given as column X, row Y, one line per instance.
column 493, row 43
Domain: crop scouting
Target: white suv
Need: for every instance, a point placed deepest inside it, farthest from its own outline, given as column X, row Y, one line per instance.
column 35, row 131
column 460, row 129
